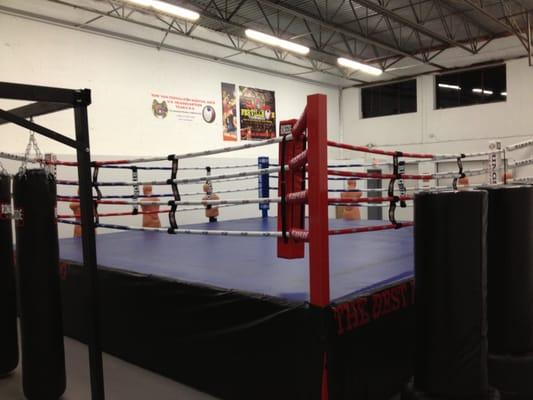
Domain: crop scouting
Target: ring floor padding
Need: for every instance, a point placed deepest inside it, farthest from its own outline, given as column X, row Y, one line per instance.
column 358, row 262
column 226, row 316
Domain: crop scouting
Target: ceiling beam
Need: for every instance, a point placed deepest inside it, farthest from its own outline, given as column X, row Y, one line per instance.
column 411, row 24
column 508, row 28
column 340, row 29
column 236, row 30
column 155, row 44
column 452, row 6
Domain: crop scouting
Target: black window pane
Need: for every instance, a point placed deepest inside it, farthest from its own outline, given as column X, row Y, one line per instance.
column 479, row 86
column 494, row 80
column 471, row 87
column 408, row 96
column 396, row 98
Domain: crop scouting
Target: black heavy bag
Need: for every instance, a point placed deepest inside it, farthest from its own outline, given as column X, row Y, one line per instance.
column 450, row 273
column 510, row 270
column 510, row 297
column 43, row 359
column 9, row 353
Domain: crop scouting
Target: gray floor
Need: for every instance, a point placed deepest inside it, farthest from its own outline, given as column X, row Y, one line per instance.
column 124, row 381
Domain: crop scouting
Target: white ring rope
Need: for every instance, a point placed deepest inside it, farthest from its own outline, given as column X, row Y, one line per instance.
column 198, row 179
column 524, row 179
column 521, row 163
column 182, row 231
column 436, row 157
column 520, row 145
column 203, row 208
column 201, row 153
column 15, row 157
column 264, row 200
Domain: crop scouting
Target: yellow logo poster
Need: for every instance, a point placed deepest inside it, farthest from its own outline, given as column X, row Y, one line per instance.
column 257, row 113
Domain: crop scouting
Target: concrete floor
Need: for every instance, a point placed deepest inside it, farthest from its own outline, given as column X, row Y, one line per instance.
column 123, row 381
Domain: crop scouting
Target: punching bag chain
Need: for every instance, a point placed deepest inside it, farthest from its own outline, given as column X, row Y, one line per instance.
column 32, row 144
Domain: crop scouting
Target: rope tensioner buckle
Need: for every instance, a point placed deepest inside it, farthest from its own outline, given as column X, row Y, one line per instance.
column 209, row 190
column 397, row 173
column 461, row 173
column 175, row 192
column 136, row 192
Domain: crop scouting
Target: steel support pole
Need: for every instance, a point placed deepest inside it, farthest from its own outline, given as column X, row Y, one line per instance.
column 91, row 289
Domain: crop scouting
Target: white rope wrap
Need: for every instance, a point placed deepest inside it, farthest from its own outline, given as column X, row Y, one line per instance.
column 524, row 179
column 521, row 163
column 520, row 145
column 441, row 157
column 470, row 172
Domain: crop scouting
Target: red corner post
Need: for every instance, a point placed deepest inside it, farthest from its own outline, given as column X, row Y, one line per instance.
column 318, row 199
column 317, row 172
column 294, row 182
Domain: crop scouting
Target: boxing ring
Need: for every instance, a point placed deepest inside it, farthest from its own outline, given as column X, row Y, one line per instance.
column 292, row 307
column 228, row 318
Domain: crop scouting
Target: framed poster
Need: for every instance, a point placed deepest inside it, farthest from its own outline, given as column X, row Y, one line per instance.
column 229, row 112
column 257, row 113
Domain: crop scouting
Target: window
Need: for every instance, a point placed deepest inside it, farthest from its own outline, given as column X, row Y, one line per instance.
column 395, row 98
column 478, row 86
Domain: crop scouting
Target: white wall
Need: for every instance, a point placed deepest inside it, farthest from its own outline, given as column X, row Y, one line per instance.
column 460, row 129
column 122, row 77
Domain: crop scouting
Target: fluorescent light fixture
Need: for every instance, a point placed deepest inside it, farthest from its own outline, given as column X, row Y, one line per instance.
column 359, row 66
column 167, row 8
column 481, row 91
column 446, row 86
column 143, row 3
column 276, row 42
column 503, row 94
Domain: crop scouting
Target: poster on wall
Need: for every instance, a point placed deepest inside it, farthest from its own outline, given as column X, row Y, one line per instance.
column 186, row 109
column 257, row 113
column 229, row 112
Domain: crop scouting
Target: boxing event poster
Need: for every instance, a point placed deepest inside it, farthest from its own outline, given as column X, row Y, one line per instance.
column 185, row 109
column 229, row 112
column 258, row 113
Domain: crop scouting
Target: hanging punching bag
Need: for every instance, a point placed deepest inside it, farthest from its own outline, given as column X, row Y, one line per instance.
column 9, row 353
column 510, row 269
column 510, row 294
column 451, row 290
column 43, row 359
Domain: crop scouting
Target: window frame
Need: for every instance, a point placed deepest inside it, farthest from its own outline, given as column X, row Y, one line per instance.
column 398, row 98
column 481, row 69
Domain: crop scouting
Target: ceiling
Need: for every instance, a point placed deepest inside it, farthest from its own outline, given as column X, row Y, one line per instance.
column 402, row 37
